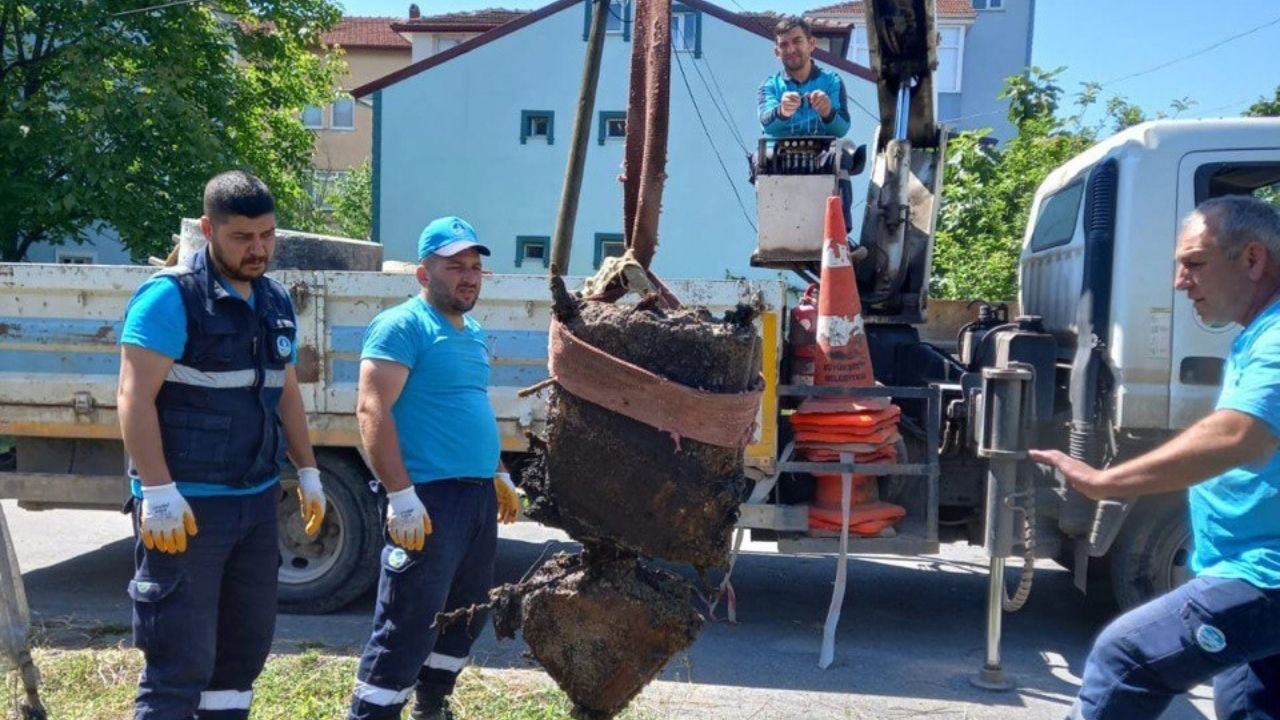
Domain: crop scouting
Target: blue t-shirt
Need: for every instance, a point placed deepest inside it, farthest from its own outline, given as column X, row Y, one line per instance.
column 157, row 320
column 444, row 421
column 1235, row 517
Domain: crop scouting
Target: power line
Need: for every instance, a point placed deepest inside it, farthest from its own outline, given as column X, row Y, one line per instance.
column 689, row 89
column 723, row 112
column 156, row 7
column 1197, row 53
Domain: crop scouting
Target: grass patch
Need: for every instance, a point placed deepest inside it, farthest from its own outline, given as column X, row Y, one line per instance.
column 99, row 684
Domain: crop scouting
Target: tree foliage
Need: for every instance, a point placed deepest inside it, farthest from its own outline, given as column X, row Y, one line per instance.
column 352, row 202
column 114, row 112
column 1265, row 107
column 988, row 190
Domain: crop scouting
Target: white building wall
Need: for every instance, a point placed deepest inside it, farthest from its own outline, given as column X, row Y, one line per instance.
column 450, row 145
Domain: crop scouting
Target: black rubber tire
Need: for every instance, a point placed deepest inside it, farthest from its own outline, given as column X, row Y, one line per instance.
column 355, row 508
column 1152, row 553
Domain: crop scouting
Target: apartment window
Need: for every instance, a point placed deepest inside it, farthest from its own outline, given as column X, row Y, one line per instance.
column 612, row 126
column 617, row 21
column 444, row 43
column 608, row 245
column 343, row 114
column 313, row 117
column 988, row 4
column 534, row 249
column 71, row 257
column 323, row 183
column 537, row 125
column 861, row 52
column 950, row 59
column 946, row 79
column 686, row 30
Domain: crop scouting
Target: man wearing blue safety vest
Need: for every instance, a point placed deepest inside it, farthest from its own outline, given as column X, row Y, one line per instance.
column 1224, row 624
column 432, row 438
column 209, row 409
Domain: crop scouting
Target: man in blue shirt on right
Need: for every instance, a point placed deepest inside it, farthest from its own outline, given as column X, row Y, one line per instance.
column 1224, row 624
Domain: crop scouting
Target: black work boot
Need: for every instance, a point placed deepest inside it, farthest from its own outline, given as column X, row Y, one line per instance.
column 430, row 708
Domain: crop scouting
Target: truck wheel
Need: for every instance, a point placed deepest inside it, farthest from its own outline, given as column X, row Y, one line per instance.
column 323, row 573
column 1152, row 554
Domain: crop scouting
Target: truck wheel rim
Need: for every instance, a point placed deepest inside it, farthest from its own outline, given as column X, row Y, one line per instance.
column 307, row 559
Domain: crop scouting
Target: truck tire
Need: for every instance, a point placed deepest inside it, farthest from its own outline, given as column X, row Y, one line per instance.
column 1152, row 554
column 323, row 573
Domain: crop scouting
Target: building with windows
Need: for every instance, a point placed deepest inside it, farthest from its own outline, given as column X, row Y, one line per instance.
column 482, row 129
column 980, row 43
column 344, row 128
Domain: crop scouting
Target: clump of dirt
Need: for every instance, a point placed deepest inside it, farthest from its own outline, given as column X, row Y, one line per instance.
column 602, row 623
column 606, row 478
column 602, row 627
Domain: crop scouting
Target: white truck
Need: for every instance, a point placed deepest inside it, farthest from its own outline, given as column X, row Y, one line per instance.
column 59, row 359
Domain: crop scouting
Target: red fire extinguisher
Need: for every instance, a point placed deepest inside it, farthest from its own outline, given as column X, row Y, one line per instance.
column 802, row 337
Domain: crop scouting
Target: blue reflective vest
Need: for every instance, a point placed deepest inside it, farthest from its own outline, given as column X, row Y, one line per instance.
column 219, row 407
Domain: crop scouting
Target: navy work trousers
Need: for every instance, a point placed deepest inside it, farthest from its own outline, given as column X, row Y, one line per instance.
column 454, row 569
column 1227, row 630
column 204, row 618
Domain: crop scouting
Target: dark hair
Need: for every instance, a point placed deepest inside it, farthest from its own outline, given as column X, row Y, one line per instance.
column 787, row 23
column 236, row 193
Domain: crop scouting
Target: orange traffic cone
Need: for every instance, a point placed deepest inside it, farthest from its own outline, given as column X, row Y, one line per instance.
column 842, row 357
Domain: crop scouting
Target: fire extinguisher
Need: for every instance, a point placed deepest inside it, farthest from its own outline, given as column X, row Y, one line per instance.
column 802, row 337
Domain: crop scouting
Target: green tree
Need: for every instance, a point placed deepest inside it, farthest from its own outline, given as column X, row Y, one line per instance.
column 987, row 196
column 1265, row 107
column 352, row 202
column 115, row 112
column 988, row 190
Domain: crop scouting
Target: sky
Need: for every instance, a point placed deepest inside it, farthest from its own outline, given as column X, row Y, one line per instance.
column 1222, row 54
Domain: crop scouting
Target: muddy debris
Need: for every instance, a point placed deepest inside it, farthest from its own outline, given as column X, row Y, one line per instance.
column 601, row 622
column 602, row 628
column 604, row 477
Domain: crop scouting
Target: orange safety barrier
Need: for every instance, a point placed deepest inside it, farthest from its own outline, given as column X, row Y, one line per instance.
column 868, row 519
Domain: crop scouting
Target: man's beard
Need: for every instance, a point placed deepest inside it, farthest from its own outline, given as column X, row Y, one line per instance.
column 452, row 303
column 241, row 272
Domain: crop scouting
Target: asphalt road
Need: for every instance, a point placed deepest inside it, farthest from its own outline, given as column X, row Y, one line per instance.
column 910, row 637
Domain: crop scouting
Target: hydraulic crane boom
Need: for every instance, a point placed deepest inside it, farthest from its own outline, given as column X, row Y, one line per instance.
column 906, row 177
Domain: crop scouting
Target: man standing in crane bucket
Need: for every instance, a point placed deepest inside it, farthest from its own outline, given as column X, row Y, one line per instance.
column 802, row 99
column 805, row 100
column 1224, row 624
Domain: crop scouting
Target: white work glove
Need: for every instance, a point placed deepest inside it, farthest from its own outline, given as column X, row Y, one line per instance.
column 166, row 519
column 311, row 497
column 789, row 104
column 407, row 519
column 508, row 498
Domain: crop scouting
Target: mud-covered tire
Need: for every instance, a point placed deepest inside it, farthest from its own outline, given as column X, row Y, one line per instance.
column 322, row 574
column 1152, row 554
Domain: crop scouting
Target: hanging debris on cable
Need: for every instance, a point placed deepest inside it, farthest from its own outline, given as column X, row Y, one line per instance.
column 651, row 406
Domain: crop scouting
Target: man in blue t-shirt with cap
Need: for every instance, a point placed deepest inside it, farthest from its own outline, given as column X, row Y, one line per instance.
column 432, row 438
column 1224, row 624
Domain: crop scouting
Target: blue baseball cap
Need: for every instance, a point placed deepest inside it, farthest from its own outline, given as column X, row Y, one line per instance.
column 448, row 236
